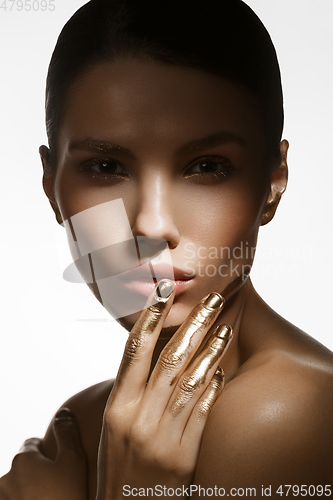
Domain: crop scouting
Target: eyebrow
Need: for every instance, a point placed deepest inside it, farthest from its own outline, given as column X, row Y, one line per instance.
column 217, row 139
column 100, row 147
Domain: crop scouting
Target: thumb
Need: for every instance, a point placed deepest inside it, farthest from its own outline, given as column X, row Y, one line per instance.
column 67, row 433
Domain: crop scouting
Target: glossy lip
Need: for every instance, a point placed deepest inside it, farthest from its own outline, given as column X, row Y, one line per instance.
column 143, row 279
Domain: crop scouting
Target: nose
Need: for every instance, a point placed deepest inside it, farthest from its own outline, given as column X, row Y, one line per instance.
column 155, row 214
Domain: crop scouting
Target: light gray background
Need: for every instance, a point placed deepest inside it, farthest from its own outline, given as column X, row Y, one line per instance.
column 43, row 317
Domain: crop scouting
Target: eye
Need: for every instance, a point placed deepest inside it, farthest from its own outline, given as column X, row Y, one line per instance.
column 104, row 168
column 212, row 166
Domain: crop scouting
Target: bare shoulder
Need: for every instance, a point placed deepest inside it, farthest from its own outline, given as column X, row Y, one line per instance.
column 273, row 423
column 88, row 407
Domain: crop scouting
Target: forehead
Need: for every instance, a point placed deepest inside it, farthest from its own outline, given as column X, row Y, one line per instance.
column 156, row 104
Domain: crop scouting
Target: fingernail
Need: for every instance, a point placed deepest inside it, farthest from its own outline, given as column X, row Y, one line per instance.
column 213, row 301
column 64, row 414
column 220, row 376
column 223, row 332
column 221, row 338
column 164, row 289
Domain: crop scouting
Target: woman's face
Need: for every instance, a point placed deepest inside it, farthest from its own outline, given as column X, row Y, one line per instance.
column 182, row 151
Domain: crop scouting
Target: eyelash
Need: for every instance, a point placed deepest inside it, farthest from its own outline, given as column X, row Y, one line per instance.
column 99, row 175
column 227, row 168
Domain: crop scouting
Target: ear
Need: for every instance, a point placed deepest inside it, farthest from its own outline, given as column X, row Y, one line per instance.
column 279, row 180
column 44, row 153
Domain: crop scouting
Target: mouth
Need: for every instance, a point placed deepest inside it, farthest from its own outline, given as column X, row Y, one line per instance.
column 143, row 279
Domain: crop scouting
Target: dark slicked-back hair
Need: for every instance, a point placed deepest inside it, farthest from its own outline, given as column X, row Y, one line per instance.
column 224, row 37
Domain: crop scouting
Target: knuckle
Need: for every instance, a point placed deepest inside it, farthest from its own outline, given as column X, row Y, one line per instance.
column 114, row 421
column 214, row 350
column 17, row 459
column 111, row 418
column 170, row 359
column 33, row 441
column 189, row 384
column 30, row 444
column 139, row 435
column 134, row 345
column 20, row 459
column 199, row 321
column 202, row 318
column 155, row 311
column 203, row 410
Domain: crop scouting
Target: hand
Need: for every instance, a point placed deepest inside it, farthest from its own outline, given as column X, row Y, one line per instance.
column 33, row 476
column 151, row 433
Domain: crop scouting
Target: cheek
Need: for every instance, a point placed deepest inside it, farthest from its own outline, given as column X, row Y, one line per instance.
column 222, row 222
column 223, row 216
column 70, row 200
column 74, row 194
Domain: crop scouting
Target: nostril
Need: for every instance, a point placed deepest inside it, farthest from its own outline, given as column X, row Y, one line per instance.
column 155, row 220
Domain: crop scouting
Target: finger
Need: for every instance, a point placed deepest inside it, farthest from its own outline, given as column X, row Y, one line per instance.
column 186, row 340
column 135, row 365
column 193, row 383
column 179, row 351
column 30, row 452
column 198, row 418
column 67, row 434
column 31, row 445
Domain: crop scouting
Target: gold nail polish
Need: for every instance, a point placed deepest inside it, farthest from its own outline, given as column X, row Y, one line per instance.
column 164, row 290
column 219, row 376
column 223, row 332
column 213, row 301
column 219, row 371
column 220, row 339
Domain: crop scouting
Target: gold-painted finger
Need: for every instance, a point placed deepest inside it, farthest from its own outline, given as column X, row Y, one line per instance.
column 195, row 377
column 31, row 444
column 210, row 395
column 148, row 324
column 184, row 342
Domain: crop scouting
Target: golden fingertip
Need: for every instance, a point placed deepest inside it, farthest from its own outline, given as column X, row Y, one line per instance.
column 220, row 376
column 219, row 371
column 163, row 290
column 223, row 332
column 213, row 301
